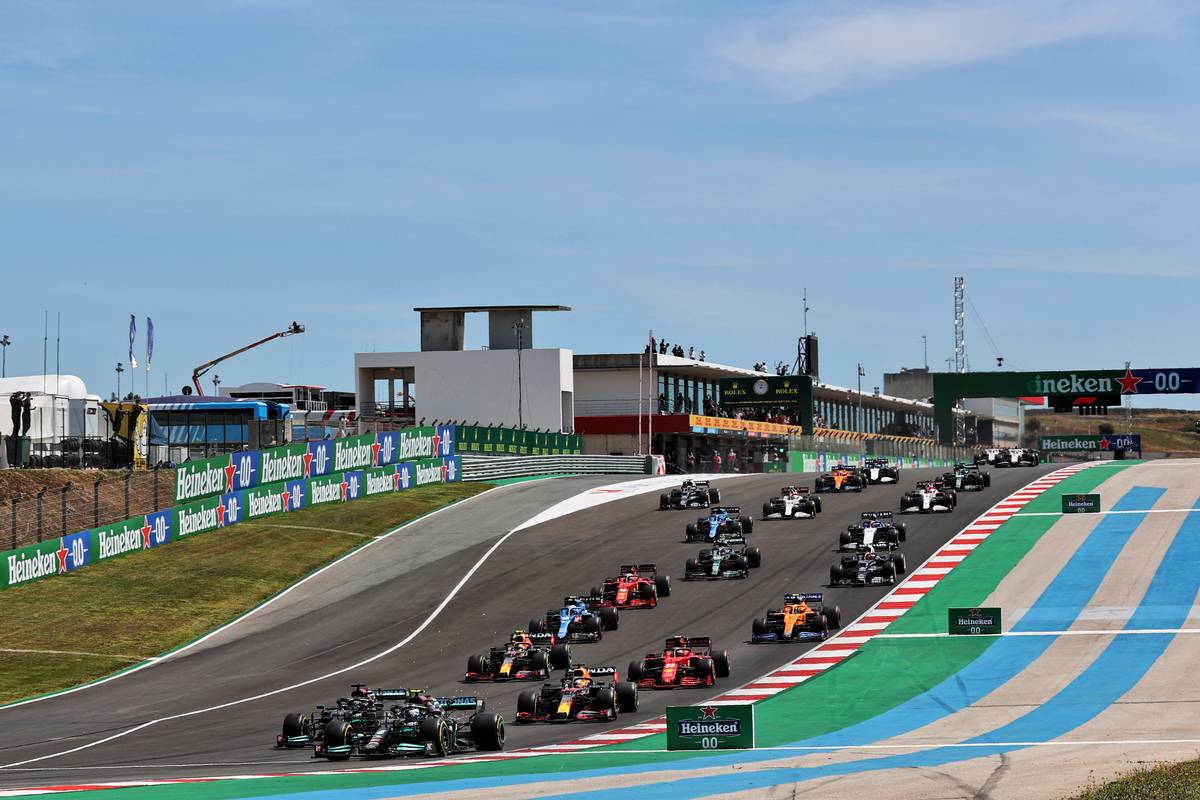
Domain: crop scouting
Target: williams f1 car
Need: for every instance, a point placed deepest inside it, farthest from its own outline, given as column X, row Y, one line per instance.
column 579, row 696
column 794, row 502
column 722, row 561
column 878, row 470
column 928, row 497
column 876, row 529
column 685, row 661
column 526, row 657
column 581, row 619
column 798, row 621
column 638, row 586
column 841, row 479
column 867, row 567
column 415, row 725
column 691, row 494
column 726, row 522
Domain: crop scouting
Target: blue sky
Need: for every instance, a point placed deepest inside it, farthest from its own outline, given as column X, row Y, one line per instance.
column 231, row 165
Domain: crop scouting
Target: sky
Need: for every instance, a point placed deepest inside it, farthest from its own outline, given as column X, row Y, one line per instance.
column 691, row 168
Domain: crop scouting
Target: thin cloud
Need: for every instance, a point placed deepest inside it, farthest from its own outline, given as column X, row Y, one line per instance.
column 1142, row 129
column 816, row 54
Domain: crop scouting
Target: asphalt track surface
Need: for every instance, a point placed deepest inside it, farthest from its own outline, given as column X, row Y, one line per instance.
column 370, row 602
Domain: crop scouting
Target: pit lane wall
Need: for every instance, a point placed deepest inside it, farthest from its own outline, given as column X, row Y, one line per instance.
column 229, row 492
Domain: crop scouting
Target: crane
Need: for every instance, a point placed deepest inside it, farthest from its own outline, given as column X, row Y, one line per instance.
column 295, row 327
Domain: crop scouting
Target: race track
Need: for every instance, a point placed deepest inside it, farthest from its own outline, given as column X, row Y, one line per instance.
column 367, row 604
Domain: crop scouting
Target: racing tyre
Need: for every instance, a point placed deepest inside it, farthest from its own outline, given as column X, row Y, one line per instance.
column 816, row 505
column 560, row 656
column 747, row 524
column 295, row 725
column 593, row 625
column 527, row 703
column 835, row 574
column 337, row 733
column 753, row 557
column 627, row 696
column 766, row 510
column 902, row 531
column 487, row 729
column 537, row 626
column 692, row 566
column 609, row 618
column 664, row 502
column 635, row 672
column 707, row 670
column 739, row 564
column 693, row 533
column 606, row 699
column 714, row 496
column 987, row 479
column 898, row 561
column 540, row 661
column 823, row 627
column 596, row 591
column 436, row 732
column 891, row 579
column 475, row 664
column 662, row 585
column 844, row 538
column 834, row 617
column 648, row 592
column 720, row 662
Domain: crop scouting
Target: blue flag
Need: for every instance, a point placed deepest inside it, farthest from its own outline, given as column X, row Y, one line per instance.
column 132, row 336
column 149, row 342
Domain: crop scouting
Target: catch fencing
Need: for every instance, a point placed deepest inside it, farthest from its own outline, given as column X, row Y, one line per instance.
column 484, row 468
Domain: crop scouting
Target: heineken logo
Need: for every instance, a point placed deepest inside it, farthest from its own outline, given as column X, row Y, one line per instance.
column 350, row 454
column 114, row 543
column 282, row 464
column 710, row 727
column 380, row 482
column 199, row 480
column 197, row 520
column 429, row 474
column 417, row 445
column 330, row 492
column 261, row 504
column 22, row 568
column 1070, row 384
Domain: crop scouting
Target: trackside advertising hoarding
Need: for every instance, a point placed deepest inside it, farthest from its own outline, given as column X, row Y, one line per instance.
column 77, row 550
column 507, row 441
column 1090, row 444
column 709, row 727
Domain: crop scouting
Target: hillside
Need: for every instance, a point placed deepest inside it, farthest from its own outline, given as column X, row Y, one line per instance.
column 1163, row 431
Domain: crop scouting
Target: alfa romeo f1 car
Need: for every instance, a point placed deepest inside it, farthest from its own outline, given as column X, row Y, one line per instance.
column 722, row 561
column 525, row 657
column 638, row 586
column 967, row 478
column 876, row 529
column 794, row 502
column 1019, row 457
column 878, row 470
column 929, row 496
column 685, row 661
column 867, row 567
column 841, row 479
column 415, row 725
column 798, row 621
column 579, row 696
column 691, row 494
column 581, row 619
column 727, row 522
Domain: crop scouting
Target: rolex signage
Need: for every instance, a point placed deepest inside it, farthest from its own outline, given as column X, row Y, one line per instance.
column 768, row 389
column 710, row 727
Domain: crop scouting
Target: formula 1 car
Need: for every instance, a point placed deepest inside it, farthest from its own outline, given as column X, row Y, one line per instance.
column 929, row 496
column 417, row 725
column 638, row 586
column 684, row 662
column 794, row 502
column 722, row 561
column 1019, row 457
column 841, row 479
column 581, row 619
column 967, row 478
column 878, row 470
column 301, row 730
column 989, row 456
column 876, row 529
column 725, row 521
column 690, row 494
column 579, row 696
column 867, row 567
column 525, row 657
column 798, row 620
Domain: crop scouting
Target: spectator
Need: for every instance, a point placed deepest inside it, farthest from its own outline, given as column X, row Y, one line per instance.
column 691, row 461
column 662, row 347
column 662, row 403
column 678, row 403
column 653, row 344
column 648, row 349
column 677, row 350
column 716, row 461
column 14, row 400
column 701, row 355
column 26, row 402
column 691, row 352
column 732, row 460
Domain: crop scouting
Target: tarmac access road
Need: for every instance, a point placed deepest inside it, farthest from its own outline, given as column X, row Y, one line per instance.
column 368, row 603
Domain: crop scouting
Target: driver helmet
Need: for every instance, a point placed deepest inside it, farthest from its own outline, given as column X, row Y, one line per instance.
column 868, row 551
column 360, row 691
column 412, row 712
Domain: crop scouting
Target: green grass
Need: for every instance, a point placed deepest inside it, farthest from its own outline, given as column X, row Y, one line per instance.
column 116, row 613
column 1166, row 782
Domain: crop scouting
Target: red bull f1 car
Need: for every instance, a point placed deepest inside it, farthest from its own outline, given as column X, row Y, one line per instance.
column 794, row 502
column 525, row 657
column 638, row 586
column 685, row 661
column 579, row 697
column 799, row 620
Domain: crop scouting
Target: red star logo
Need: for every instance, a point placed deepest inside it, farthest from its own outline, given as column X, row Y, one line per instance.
column 1104, row 443
column 307, row 464
column 443, row 472
column 62, row 553
column 220, row 514
column 230, row 471
column 436, row 439
column 709, row 712
column 146, row 529
column 395, row 481
column 344, row 486
column 375, row 454
column 1129, row 382
column 285, row 494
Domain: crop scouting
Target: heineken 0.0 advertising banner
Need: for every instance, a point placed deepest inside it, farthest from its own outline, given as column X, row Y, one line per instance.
column 1084, row 443
column 32, row 562
column 709, row 727
column 973, row 621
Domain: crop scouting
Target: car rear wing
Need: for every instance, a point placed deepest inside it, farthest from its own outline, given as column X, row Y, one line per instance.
column 601, row 672
column 703, row 484
column 542, row 638
column 644, row 570
column 462, row 703
column 691, row 642
column 876, row 514
column 391, row 694
column 731, row 510
column 806, row 597
column 592, row 600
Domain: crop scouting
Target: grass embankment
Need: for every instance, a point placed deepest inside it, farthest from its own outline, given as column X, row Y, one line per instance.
column 1167, row 782
column 90, row 623
column 1162, row 430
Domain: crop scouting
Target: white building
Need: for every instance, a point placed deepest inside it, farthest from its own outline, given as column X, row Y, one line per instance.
column 509, row 383
column 60, row 407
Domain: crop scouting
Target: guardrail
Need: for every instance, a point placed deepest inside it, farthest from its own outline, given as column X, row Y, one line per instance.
column 483, row 468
